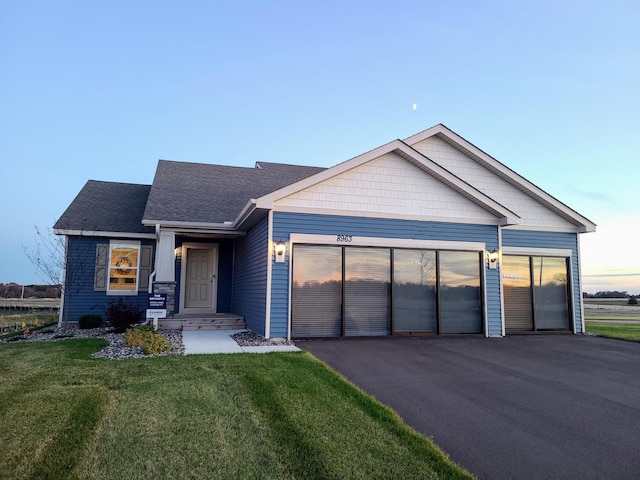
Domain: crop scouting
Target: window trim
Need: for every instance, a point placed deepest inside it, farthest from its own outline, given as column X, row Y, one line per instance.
column 113, row 244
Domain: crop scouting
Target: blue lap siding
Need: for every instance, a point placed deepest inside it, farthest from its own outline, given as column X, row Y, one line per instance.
column 569, row 241
column 286, row 223
column 80, row 296
column 250, row 277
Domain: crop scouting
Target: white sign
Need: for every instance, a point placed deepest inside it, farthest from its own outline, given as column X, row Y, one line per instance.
column 156, row 313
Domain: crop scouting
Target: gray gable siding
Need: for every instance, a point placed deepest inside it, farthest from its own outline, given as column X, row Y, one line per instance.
column 250, row 277
column 569, row 241
column 286, row 223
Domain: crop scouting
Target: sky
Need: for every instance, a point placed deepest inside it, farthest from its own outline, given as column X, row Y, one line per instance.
column 102, row 90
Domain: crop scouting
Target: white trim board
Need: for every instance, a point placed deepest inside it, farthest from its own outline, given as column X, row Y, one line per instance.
column 393, row 216
column 538, row 251
column 270, row 260
column 387, row 242
column 92, row 233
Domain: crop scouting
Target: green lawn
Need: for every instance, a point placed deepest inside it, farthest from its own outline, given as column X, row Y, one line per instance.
column 280, row 416
column 622, row 331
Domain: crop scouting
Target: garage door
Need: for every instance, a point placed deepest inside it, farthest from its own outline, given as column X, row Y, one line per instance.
column 370, row 291
column 536, row 293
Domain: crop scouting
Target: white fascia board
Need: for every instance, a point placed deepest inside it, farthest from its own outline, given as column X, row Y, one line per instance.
column 92, row 233
column 408, row 153
column 505, row 172
column 197, row 225
column 537, row 251
column 429, row 132
column 178, row 231
column 245, row 212
column 537, row 228
column 395, row 216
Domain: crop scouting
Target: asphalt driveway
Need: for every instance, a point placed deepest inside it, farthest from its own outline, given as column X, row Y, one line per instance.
column 522, row 407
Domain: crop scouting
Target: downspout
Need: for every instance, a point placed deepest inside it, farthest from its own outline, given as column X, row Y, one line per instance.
column 502, row 315
column 267, row 320
column 152, row 275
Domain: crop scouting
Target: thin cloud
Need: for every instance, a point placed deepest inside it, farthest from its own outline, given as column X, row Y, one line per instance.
column 598, row 197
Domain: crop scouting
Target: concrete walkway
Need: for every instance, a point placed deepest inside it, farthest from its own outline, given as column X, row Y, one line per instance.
column 220, row 341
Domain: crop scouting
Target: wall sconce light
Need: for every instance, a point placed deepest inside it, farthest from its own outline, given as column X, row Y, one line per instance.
column 177, row 251
column 493, row 259
column 280, row 249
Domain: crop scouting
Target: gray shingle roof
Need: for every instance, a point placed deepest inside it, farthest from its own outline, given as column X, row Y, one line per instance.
column 107, row 207
column 205, row 193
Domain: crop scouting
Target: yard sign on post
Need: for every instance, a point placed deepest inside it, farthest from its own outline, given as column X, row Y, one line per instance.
column 157, row 307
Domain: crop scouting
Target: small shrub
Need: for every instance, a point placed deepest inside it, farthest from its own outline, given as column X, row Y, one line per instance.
column 633, row 300
column 123, row 315
column 135, row 337
column 89, row 321
column 151, row 342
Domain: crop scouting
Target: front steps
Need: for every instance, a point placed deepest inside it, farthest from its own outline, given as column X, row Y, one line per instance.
column 204, row 321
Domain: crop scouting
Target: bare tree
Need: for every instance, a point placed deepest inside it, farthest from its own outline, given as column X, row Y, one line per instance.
column 49, row 257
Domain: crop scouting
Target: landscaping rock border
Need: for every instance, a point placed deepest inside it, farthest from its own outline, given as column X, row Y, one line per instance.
column 248, row 338
column 116, row 348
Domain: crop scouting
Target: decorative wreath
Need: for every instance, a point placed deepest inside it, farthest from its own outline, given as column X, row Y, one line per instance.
column 123, row 262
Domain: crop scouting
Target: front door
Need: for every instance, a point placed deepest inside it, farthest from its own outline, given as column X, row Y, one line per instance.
column 200, row 278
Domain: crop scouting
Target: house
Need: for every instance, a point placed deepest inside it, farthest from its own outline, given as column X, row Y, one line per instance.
column 426, row 235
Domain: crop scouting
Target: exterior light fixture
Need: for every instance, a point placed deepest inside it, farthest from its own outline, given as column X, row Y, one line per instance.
column 280, row 249
column 493, row 259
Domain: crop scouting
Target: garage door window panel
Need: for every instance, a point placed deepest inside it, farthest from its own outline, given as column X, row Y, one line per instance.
column 516, row 278
column 414, row 291
column 459, row 289
column 551, row 303
column 367, row 276
column 316, row 291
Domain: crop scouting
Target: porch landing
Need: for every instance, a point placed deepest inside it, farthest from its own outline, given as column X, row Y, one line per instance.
column 204, row 321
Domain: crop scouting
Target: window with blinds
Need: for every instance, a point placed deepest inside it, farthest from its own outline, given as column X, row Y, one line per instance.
column 367, row 286
column 516, row 284
column 316, row 297
column 460, row 296
column 414, row 291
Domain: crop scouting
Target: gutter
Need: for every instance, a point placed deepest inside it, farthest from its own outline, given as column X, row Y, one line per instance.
column 248, row 209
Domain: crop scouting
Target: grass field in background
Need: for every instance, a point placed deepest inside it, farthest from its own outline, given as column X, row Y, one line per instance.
column 622, row 331
column 594, row 316
column 606, row 301
column 612, row 317
column 271, row 416
column 12, row 317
